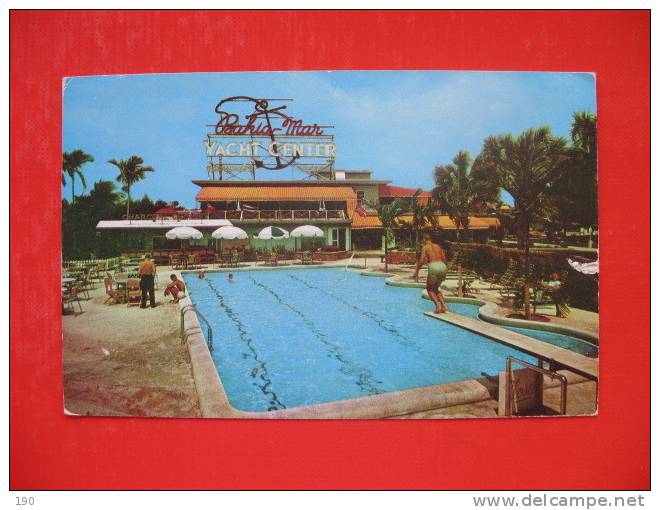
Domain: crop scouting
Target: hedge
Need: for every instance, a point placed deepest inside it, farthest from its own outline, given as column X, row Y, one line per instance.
column 486, row 260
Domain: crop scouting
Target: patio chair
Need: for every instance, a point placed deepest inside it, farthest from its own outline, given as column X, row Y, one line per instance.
column 178, row 262
column 467, row 279
column 85, row 282
column 272, row 259
column 99, row 270
column 133, row 292
column 114, row 296
column 70, row 298
column 234, row 259
column 497, row 282
column 543, row 295
column 307, row 258
column 260, row 257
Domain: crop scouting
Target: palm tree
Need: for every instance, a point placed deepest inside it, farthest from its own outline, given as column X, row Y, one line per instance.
column 423, row 214
column 526, row 167
column 577, row 186
column 131, row 170
column 388, row 215
column 460, row 191
column 72, row 163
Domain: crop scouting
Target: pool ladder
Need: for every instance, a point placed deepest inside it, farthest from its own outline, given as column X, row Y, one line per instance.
column 209, row 330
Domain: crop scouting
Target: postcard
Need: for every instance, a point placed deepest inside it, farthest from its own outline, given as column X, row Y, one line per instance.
column 330, row 245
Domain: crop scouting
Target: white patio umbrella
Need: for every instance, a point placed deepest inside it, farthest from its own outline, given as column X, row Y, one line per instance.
column 269, row 233
column 229, row 232
column 306, row 231
column 184, row 233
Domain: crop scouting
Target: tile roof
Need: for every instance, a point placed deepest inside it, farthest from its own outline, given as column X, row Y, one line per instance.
column 443, row 221
column 397, row 191
column 276, row 193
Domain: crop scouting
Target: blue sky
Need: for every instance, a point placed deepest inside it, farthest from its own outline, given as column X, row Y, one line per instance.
column 399, row 124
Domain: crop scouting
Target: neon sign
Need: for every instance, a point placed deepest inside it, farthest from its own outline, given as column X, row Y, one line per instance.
column 276, row 139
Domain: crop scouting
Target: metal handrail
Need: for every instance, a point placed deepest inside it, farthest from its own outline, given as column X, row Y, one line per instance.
column 209, row 330
column 553, row 375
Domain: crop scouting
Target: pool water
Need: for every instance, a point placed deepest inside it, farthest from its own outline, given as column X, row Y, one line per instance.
column 565, row 341
column 288, row 338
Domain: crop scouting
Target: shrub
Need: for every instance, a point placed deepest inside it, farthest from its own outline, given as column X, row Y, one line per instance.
column 485, row 260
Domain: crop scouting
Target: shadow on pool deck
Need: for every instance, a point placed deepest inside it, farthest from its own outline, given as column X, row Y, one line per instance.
column 126, row 361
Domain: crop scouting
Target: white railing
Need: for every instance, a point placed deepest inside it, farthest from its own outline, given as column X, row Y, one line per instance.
column 286, row 215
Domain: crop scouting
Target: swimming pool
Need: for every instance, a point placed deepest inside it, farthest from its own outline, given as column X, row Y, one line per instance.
column 560, row 340
column 292, row 337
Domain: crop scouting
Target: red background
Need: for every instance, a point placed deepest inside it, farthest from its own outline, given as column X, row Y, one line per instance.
column 50, row 450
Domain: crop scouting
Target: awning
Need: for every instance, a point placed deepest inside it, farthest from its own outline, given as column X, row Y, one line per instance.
column 479, row 222
column 159, row 224
column 365, row 222
column 443, row 222
column 276, row 194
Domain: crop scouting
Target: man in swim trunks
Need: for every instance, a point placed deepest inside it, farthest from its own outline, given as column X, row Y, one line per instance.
column 433, row 255
column 174, row 287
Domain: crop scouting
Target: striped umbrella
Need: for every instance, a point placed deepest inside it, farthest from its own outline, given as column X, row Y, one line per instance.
column 269, row 233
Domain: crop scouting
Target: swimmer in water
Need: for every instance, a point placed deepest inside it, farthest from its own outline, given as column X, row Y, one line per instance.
column 201, row 275
column 230, row 278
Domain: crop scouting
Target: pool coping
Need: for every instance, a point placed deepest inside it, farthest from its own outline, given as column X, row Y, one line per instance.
column 214, row 403
column 488, row 312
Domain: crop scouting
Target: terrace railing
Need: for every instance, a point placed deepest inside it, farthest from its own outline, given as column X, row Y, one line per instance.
column 248, row 214
column 280, row 215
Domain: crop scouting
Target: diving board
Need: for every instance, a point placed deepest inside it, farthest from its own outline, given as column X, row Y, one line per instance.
column 562, row 358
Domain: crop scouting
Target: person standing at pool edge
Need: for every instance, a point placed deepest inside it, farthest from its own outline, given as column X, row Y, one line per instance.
column 433, row 255
column 147, row 271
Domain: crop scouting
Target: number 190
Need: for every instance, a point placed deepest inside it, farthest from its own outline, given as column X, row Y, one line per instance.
column 23, row 500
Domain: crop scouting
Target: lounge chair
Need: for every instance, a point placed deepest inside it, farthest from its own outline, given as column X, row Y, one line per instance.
column 496, row 281
column 543, row 295
column 234, row 259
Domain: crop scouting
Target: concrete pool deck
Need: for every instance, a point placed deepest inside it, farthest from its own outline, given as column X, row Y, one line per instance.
column 126, row 361
column 142, row 369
